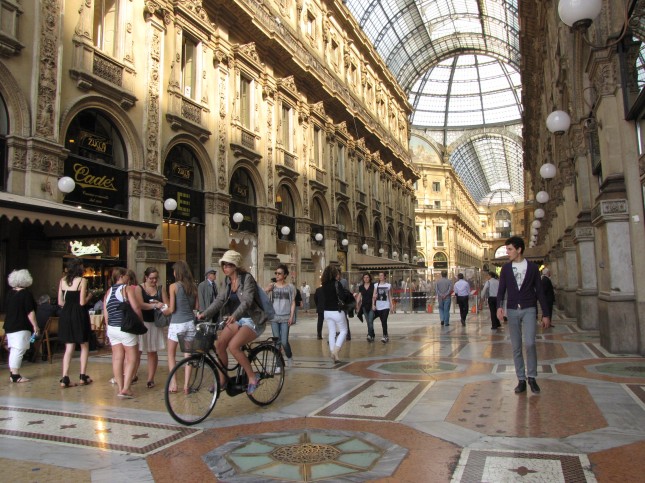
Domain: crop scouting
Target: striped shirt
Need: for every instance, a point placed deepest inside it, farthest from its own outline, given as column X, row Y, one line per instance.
column 115, row 297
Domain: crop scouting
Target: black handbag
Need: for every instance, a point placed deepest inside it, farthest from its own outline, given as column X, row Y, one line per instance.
column 131, row 324
column 346, row 301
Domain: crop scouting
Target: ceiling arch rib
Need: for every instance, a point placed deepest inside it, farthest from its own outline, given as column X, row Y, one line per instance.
column 459, row 61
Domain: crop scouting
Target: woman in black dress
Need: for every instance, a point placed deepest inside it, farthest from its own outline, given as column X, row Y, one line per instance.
column 74, row 323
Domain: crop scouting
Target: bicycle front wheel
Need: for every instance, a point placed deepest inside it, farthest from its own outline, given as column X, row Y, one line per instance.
column 197, row 388
column 267, row 361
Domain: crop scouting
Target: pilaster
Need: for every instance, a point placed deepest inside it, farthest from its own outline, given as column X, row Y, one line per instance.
column 587, row 293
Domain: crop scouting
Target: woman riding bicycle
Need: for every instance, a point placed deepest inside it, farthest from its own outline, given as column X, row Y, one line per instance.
column 246, row 320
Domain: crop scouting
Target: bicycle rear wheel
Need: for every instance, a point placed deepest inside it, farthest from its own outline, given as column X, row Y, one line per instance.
column 197, row 390
column 267, row 361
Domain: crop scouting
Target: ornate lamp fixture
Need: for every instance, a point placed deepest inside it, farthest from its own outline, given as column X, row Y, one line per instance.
column 170, row 205
column 542, row 197
column 558, row 122
column 547, row 171
column 344, row 242
column 536, row 224
column 579, row 14
column 364, row 247
column 318, row 237
column 539, row 213
column 66, row 185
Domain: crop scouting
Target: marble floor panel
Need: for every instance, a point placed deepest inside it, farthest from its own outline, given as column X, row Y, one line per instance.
column 433, row 404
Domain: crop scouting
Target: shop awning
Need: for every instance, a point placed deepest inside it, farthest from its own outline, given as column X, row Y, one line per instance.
column 65, row 221
column 361, row 261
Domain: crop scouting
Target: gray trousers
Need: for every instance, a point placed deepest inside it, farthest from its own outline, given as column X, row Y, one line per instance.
column 523, row 326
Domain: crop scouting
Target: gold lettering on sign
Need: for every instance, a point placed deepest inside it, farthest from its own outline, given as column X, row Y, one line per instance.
column 183, row 203
column 99, row 145
column 78, row 249
column 86, row 179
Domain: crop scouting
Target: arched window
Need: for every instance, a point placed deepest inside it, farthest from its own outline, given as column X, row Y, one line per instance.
column 182, row 168
column 440, row 260
column 286, row 221
column 242, row 191
column 503, row 226
column 4, row 130
column 97, row 163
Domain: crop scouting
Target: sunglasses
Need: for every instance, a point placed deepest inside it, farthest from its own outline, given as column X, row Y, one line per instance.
column 278, row 273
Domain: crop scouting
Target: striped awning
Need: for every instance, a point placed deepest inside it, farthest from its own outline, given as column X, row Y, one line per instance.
column 61, row 221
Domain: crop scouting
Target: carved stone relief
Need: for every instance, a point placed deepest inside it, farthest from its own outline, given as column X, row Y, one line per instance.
column 48, row 68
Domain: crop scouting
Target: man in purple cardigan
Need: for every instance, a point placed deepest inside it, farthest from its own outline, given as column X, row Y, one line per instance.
column 520, row 282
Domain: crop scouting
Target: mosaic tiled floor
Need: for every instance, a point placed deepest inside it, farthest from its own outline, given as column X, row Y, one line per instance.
column 514, row 466
column 83, row 430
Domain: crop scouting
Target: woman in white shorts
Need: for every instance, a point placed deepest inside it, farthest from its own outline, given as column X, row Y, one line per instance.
column 124, row 345
column 182, row 300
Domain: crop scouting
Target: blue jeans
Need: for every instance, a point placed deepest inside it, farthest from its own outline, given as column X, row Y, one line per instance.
column 444, row 309
column 523, row 325
column 281, row 331
column 369, row 318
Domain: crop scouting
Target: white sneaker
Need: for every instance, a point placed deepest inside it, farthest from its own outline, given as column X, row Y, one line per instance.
column 385, row 339
column 289, row 364
column 277, row 370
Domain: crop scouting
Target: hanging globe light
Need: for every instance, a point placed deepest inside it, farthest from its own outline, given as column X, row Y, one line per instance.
column 170, row 204
column 365, row 247
column 238, row 217
column 66, row 184
column 558, row 122
column 547, row 171
column 285, row 230
column 536, row 224
column 318, row 237
column 579, row 13
column 539, row 213
column 542, row 197
column 344, row 242
column 534, row 231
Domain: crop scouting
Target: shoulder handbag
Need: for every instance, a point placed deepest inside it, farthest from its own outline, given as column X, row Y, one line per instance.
column 161, row 320
column 131, row 324
column 346, row 301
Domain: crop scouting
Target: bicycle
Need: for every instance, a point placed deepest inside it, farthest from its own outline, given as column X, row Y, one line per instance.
column 198, row 382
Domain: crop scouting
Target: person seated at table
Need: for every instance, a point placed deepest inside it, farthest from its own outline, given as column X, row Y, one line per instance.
column 45, row 310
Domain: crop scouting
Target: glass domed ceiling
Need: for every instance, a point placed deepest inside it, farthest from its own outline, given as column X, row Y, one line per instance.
column 458, row 61
column 467, row 90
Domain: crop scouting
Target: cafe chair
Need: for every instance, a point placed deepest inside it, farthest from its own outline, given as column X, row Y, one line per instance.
column 50, row 334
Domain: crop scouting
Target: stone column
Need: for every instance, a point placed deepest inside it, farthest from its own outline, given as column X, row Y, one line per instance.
column 586, row 295
column 570, row 275
column 616, row 307
column 560, row 276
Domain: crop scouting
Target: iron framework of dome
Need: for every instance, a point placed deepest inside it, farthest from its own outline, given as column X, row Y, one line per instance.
column 458, row 60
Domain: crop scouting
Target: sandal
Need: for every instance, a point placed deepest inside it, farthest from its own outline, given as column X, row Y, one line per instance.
column 84, row 380
column 150, row 384
column 252, row 386
column 65, row 383
column 17, row 379
column 126, row 395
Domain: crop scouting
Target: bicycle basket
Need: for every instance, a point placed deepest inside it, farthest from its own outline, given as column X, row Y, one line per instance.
column 197, row 342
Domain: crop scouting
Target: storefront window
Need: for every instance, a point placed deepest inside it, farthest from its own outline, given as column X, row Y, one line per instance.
column 286, row 221
column 183, row 229
column 97, row 163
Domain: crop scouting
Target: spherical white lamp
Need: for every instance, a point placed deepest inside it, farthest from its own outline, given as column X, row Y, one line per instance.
column 66, row 184
column 579, row 13
column 365, row 247
column 405, row 256
column 547, row 171
column 170, row 204
column 536, row 224
column 395, row 254
column 539, row 213
column 542, row 197
column 534, row 231
column 558, row 122
column 318, row 237
column 381, row 251
column 285, row 230
column 238, row 217
column 344, row 242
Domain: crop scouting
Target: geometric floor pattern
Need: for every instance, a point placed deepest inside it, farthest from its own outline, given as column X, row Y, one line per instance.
column 433, row 404
column 83, row 430
column 312, row 455
column 514, row 466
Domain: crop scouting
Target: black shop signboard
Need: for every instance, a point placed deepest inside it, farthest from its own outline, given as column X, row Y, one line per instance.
column 97, row 186
column 190, row 203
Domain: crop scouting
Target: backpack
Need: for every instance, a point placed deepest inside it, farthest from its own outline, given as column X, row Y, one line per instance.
column 262, row 299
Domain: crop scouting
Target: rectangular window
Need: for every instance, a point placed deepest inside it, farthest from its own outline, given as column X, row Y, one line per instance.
column 245, row 102
column 437, row 205
column 189, row 66
column 317, row 147
column 436, row 186
column 105, row 25
column 335, row 53
column 286, row 127
column 439, row 231
column 340, row 163
column 359, row 176
column 353, row 74
column 311, row 25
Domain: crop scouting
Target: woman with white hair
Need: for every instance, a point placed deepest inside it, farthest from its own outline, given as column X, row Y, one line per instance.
column 20, row 320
